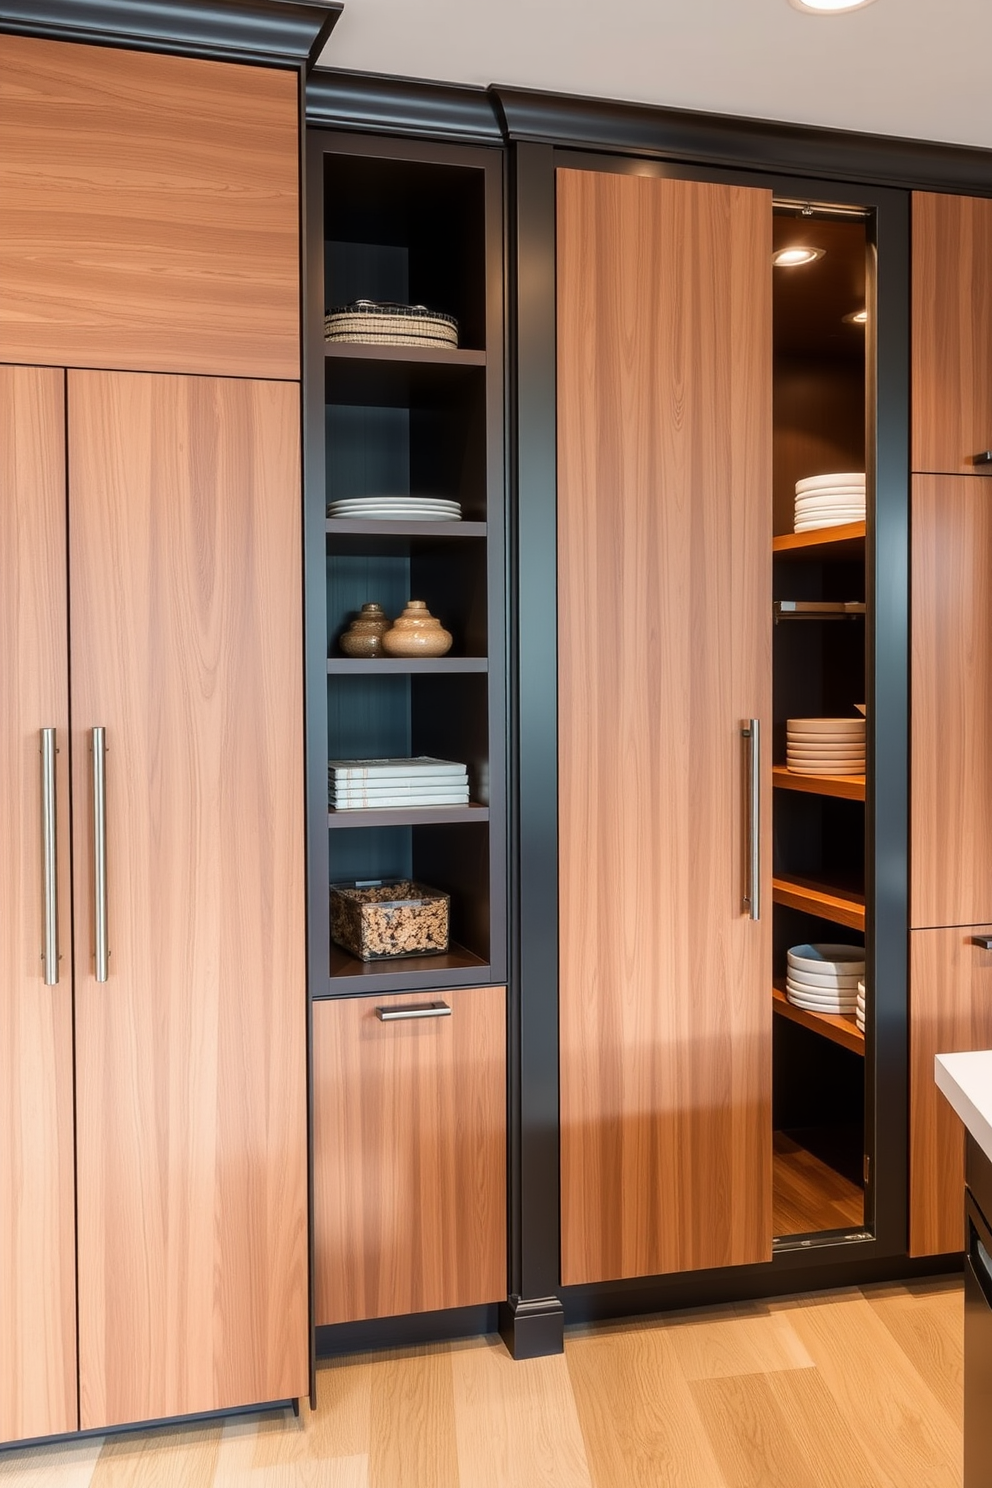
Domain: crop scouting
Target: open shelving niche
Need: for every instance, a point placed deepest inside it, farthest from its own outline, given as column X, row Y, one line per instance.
column 822, row 412
column 412, row 224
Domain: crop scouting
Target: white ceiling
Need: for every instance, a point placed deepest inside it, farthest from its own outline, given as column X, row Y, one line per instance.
column 918, row 68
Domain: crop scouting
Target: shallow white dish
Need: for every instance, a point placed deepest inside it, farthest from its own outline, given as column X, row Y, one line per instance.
column 832, row 514
column 837, row 478
column 825, row 725
column 823, row 981
column 828, row 735
column 823, row 747
column 836, row 1009
column 373, row 506
column 840, row 771
column 802, row 997
column 822, row 955
column 809, row 756
column 836, row 496
column 820, row 526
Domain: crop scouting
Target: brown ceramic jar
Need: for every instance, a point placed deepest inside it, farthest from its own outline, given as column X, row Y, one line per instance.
column 417, row 633
column 364, row 635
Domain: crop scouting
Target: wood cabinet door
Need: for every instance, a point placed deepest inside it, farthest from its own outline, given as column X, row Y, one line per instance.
column 950, row 1010
column 664, row 636
column 185, row 602
column 952, row 332
column 37, row 1216
column 409, row 1121
column 951, row 757
column 149, row 211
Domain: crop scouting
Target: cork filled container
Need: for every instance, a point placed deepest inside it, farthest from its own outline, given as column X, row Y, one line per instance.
column 384, row 921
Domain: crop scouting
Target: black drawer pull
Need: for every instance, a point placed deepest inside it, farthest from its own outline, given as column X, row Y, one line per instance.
column 985, row 458
column 418, row 1010
column 983, row 941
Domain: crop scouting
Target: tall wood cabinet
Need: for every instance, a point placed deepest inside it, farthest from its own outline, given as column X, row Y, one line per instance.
column 951, row 899
column 153, row 1103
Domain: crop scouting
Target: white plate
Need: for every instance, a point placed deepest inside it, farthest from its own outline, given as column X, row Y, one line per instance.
column 820, row 524
column 824, row 981
column 835, row 1010
column 822, row 955
column 839, row 771
column 828, row 735
column 840, row 478
column 373, row 506
column 827, row 1002
column 861, row 988
column 826, row 761
column 395, row 501
column 825, row 725
column 841, row 512
column 841, row 496
column 822, row 747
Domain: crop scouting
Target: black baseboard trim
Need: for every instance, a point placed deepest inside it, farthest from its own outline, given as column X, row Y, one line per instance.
column 532, row 1327
column 266, row 31
column 164, row 1423
column 408, row 1331
column 647, row 1296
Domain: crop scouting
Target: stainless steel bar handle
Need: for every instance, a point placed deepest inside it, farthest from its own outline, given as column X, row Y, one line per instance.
column 417, row 1010
column 751, row 734
column 984, row 942
column 49, row 841
column 100, row 851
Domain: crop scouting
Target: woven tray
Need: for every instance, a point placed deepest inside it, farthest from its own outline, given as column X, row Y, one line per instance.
column 377, row 323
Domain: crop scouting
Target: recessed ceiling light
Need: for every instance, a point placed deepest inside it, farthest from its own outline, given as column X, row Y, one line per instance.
column 856, row 317
column 828, row 7
column 791, row 258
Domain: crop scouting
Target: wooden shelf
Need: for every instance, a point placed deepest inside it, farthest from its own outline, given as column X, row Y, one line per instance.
column 846, row 787
column 845, row 542
column 417, row 531
column 839, row 1028
column 457, row 967
column 432, row 356
column 407, row 816
column 841, row 906
column 354, row 666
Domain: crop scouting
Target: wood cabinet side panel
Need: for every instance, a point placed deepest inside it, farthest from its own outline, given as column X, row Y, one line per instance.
column 664, row 512
column 149, row 211
column 951, row 704
column 37, row 1239
column 950, row 1010
column 186, row 646
column 409, row 1156
column 952, row 331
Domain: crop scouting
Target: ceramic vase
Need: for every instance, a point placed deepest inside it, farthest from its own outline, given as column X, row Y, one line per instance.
column 364, row 635
column 417, row 633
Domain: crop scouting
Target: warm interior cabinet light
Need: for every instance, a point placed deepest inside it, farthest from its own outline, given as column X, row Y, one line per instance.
column 791, row 258
column 856, row 317
column 828, row 7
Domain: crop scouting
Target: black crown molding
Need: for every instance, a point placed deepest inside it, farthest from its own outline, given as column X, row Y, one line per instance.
column 340, row 99
column 746, row 144
column 290, row 32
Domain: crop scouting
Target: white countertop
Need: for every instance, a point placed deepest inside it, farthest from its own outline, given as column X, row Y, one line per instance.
column 966, row 1080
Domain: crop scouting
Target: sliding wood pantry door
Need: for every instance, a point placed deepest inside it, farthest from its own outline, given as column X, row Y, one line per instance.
column 664, row 588
column 37, row 1221
column 186, row 648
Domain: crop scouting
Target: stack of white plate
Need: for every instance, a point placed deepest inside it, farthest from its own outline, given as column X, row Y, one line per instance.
column 396, row 509
column 384, row 784
column 859, row 1011
column 824, row 978
column 825, row 746
column 830, row 500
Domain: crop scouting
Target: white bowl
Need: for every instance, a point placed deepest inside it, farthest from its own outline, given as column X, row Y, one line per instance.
column 841, row 478
column 824, row 956
column 823, row 981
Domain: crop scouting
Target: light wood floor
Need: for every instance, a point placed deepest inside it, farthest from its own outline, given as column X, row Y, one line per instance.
column 808, row 1195
column 850, row 1389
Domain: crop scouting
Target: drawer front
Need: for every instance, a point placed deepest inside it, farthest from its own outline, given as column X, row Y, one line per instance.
column 409, row 1153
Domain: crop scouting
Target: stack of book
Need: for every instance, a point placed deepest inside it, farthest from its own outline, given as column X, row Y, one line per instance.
column 385, row 784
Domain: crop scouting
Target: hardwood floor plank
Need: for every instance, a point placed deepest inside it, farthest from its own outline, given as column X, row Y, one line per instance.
column 516, row 1421
column 71, row 1466
column 169, row 1454
column 826, row 1439
column 751, row 1434
column 927, row 1322
column 907, row 1434
column 412, row 1420
column 735, row 1340
column 639, row 1421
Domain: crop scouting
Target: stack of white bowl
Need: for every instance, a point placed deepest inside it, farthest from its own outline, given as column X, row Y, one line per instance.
column 824, row 978
column 825, row 746
column 859, row 1011
column 830, row 500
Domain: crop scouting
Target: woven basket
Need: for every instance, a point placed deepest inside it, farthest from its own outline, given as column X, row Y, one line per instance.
column 375, row 323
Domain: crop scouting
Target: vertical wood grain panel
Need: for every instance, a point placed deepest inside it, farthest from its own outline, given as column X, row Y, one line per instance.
column 409, row 1156
column 664, row 501
column 951, row 815
column 952, row 331
column 950, row 1010
column 37, row 1240
column 149, row 211
column 186, row 646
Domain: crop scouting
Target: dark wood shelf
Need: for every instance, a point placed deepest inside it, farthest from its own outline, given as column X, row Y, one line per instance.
column 455, row 968
column 355, row 666
column 432, row 356
column 409, row 531
column 846, row 787
column 407, row 816
column 846, row 542
column 839, row 1028
column 841, row 906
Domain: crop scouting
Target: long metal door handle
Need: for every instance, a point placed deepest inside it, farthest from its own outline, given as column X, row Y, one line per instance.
column 49, row 842
column 417, row 1010
column 751, row 734
column 983, row 941
column 984, row 457
column 100, row 851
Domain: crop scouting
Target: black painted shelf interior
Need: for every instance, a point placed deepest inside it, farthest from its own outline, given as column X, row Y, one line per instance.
column 339, row 527
column 434, row 356
column 360, row 666
column 408, row 816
